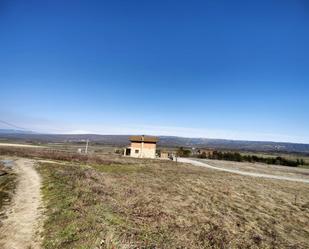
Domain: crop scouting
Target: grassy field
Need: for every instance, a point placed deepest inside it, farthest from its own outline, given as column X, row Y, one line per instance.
column 161, row 204
column 277, row 170
column 7, row 186
column 108, row 201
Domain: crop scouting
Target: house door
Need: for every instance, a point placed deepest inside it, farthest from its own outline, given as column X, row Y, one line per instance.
column 128, row 152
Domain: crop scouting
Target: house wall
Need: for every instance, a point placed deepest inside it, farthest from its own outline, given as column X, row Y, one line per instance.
column 136, row 145
column 164, row 155
column 147, row 150
column 150, row 146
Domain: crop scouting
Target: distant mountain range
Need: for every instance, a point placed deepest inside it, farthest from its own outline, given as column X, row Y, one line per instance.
column 12, row 131
column 164, row 141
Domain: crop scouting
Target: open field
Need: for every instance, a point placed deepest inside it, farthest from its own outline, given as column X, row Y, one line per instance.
column 161, row 204
column 277, row 170
column 109, row 201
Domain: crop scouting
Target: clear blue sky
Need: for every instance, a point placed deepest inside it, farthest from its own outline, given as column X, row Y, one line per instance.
column 223, row 69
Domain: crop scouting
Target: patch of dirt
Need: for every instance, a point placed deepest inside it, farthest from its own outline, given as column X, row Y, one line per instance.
column 20, row 145
column 21, row 227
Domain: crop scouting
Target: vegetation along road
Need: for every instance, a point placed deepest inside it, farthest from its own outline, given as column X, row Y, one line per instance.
column 203, row 164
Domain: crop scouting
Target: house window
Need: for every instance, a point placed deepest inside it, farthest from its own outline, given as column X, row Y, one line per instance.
column 136, row 151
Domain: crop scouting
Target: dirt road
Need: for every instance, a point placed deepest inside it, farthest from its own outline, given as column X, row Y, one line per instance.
column 246, row 173
column 20, row 145
column 20, row 229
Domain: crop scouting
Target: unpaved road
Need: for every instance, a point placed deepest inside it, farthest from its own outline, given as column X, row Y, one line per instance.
column 246, row 173
column 20, row 145
column 20, row 229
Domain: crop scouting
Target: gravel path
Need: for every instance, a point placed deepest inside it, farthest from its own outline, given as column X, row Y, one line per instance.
column 202, row 164
column 20, row 229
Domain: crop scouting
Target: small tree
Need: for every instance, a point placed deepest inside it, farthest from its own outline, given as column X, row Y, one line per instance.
column 183, row 152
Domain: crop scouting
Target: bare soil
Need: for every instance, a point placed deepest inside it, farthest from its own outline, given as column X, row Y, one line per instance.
column 20, row 228
column 20, row 145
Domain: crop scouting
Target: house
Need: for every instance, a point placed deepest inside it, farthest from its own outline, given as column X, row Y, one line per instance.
column 142, row 147
column 167, row 154
column 164, row 155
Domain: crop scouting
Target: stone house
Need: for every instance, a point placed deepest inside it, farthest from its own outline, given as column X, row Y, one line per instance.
column 142, row 147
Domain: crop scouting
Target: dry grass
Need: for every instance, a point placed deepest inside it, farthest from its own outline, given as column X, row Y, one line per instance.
column 45, row 153
column 161, row 204
column 260, row 168
column 7, row 187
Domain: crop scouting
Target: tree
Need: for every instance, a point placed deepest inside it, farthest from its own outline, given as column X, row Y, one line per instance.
column 183, row 152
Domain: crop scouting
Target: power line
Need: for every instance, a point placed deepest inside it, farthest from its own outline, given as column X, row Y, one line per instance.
column 25, row 129
column 14, row 126
column 46, row 135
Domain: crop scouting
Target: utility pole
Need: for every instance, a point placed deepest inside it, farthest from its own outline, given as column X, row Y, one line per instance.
column 86, row 150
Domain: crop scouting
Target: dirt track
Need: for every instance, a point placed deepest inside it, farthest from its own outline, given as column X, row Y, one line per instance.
column 241, row 172
column 20, row 145
column 20, row 229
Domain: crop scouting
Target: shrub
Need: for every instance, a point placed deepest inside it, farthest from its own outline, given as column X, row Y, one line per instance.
column 237, row 157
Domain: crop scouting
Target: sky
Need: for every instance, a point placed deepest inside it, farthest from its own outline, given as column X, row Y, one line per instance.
column 212, row 68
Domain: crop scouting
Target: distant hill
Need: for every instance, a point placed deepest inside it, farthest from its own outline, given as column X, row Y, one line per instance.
column 164, row 141
column 263, row 146
column 12, row 131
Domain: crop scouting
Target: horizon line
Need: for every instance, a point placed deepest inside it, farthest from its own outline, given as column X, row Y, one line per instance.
column 177, row 136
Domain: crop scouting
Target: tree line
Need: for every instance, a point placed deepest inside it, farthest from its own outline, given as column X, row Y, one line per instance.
column 237, row 157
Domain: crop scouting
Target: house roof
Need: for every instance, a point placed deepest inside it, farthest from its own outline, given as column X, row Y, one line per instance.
column 143, row 139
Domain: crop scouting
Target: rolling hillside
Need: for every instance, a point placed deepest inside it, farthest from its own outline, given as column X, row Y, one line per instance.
column 164, row 141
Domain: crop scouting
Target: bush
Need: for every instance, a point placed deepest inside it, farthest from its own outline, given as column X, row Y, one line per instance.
column 183, row 152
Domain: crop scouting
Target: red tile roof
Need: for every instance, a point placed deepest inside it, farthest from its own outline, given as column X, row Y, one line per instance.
column 146, row 139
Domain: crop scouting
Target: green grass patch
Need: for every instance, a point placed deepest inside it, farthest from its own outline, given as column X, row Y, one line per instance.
column 7, row 187
column 77, row 215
